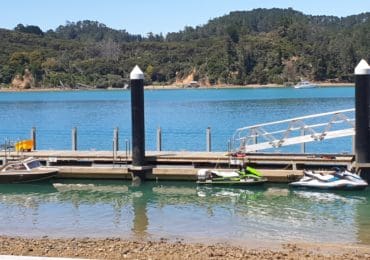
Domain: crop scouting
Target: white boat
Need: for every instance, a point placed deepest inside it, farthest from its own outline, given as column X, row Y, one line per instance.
column 305, row 84
column 340, row 179
column 28, row 170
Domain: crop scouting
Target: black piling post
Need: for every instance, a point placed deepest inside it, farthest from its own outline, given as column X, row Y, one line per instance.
column 139, row 166
column 137, row 116
column 362, row 115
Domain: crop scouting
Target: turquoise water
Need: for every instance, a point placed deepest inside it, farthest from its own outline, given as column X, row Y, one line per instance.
column 182, row 114
column 182, row 210
column 175, row 210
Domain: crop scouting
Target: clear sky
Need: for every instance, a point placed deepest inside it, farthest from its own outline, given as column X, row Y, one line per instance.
column 141, row 17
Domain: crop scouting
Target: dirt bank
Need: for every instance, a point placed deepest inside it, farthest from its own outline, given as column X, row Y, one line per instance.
column 115, row 248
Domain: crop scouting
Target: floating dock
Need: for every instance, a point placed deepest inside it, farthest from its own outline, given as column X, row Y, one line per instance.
column 182, row 165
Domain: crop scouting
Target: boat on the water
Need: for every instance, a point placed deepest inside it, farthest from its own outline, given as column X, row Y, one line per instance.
column 245, row 177
column 305, row 84
column 28, row 170
column 339, row 179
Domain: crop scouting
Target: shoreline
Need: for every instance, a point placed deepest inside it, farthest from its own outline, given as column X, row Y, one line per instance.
column 117, row 248
column 251, row 86
column 159, row 87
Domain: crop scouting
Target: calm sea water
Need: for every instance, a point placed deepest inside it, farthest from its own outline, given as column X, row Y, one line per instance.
column 175, row 210
column 181, row 210
column 183, row 116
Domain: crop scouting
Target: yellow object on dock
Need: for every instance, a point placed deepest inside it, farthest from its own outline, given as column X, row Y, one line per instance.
column 24, row 145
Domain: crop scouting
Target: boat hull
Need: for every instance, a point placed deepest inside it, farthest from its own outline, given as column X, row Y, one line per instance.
column 328, row 187
column 346, row 181
column 305, row 84
column 25, row 177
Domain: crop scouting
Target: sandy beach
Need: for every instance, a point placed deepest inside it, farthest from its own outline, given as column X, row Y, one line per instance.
column 115, row 248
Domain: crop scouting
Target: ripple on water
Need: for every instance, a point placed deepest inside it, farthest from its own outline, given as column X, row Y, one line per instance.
column 184, row 210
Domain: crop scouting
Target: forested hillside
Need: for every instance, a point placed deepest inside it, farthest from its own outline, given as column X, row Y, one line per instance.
column 245, row 47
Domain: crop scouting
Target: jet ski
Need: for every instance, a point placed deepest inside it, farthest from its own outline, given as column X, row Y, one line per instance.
column 339, row 179
column 244, row 177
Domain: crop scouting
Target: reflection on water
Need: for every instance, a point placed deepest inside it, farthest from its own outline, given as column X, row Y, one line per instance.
column 183, row 210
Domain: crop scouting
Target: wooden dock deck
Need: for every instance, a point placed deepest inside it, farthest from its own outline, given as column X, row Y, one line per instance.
column 170, row 165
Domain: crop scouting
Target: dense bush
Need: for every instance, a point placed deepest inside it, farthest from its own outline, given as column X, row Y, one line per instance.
column 245, row 47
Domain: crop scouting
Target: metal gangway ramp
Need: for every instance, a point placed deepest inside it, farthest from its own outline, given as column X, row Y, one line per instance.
column 292, row 131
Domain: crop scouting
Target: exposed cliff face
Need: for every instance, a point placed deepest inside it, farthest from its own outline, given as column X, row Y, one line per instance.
column 23, row 82
column 190, row 78
column 186, row 80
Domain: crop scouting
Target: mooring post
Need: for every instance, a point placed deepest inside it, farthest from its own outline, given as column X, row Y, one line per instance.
column 138, row 167
column 159, row 139
column 33, row 138
column 303, row 145
column 74, row 139
column 116, row 139
column 126, row 148
column 208, row 139
column 362, row 116
column 137, row 116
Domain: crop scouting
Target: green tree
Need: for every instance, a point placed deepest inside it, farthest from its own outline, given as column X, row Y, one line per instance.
column 29, row 29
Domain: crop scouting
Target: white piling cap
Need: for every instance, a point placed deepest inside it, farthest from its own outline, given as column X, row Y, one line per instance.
column 136, row 73
column 362, row 68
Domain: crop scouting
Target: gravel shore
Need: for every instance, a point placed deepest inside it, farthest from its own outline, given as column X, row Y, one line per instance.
column 115, row 248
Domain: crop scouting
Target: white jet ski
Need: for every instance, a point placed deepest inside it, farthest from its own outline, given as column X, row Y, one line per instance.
column 340, row 179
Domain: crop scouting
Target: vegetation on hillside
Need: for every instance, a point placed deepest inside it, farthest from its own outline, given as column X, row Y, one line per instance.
column 245, row 47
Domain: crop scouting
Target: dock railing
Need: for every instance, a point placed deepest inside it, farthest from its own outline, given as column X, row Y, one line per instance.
column 299, row 130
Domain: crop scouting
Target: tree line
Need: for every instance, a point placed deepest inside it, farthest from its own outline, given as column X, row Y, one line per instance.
column 245, row 47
